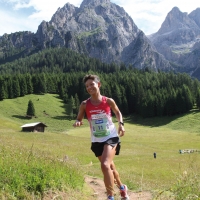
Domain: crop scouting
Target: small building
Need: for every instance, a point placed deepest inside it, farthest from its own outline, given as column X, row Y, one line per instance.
column 34, row 127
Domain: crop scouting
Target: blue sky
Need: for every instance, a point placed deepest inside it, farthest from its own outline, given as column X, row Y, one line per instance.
column 26, row 15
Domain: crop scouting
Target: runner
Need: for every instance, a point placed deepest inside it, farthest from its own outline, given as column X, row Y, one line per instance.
column 104, row 135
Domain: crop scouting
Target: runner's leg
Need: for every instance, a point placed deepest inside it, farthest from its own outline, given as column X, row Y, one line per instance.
column 106, row 159
column 116, row 175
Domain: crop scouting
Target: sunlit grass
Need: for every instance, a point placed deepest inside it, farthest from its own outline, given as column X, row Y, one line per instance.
column 171, row 173
column 49, row 109
column 31, row 170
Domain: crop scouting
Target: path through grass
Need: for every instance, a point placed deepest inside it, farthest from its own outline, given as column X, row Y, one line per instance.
column 136, row 164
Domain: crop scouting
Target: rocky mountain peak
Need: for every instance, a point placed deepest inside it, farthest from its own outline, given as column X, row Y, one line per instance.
column 99, row 29
column 64, row 18
column 93, row 2
column 63, row 14
column 178, row 39
column 195, row 15
column 176, row 20
column 175, row 11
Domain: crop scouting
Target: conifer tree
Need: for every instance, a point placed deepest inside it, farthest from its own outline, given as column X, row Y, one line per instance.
column 2, row 91
column 42, row 83
column 117, row 95
column 23, row 86
column 65, row 98
column 29, row 84
column 71, row 107
column 125, row 105
column 187, row 97
column 61, row 90
column 10, row 88
column 180, row 105
column 30, row 109
column 16, row 88
column 77, row 103
column 198, row 99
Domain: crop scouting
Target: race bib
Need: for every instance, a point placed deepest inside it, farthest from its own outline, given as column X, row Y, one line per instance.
column 99, row 123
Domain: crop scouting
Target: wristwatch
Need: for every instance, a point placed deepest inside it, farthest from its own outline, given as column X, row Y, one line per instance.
column 122, row 123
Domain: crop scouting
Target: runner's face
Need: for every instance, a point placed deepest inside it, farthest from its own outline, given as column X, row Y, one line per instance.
column 92, row 87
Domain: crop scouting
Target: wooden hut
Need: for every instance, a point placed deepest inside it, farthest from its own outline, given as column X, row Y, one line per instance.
column 34, row 127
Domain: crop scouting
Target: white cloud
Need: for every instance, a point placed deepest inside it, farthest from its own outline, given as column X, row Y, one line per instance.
column 10, row 23
column 42, row 10
column 148, row 15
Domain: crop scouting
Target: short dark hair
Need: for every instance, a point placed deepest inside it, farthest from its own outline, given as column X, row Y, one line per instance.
column 92, row 77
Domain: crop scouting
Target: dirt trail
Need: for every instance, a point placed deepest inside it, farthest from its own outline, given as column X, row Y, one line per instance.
column 99, row 190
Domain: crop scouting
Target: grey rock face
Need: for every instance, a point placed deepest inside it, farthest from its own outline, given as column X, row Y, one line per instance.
column 195, row 15
column 177, row 38
column 176, row 20
column 93, row 3
column 19, row 43
column 102, row 30
column 18, row 40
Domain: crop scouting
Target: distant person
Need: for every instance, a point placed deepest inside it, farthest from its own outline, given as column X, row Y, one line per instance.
column 104, row 135
column 154, row 154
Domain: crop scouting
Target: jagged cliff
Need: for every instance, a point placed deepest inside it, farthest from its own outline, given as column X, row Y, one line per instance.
column 99, row 29
column 178, row 40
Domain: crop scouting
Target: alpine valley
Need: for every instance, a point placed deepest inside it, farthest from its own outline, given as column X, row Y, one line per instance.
column 103, row 30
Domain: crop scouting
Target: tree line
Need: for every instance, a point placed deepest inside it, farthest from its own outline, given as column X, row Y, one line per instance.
column 61, row 70
column 57, row 60
column 141, row 92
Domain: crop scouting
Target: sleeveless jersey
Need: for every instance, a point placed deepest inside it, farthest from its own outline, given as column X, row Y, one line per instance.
column 100, row 120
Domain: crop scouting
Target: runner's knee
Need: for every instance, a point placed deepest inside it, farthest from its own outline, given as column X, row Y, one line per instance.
column 105, row 165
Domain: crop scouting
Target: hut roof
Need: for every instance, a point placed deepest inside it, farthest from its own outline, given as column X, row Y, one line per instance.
column 33, row 124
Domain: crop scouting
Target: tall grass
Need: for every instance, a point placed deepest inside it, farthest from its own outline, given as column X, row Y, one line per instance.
column 37, row 158
column 187, row 185
column 29, row 171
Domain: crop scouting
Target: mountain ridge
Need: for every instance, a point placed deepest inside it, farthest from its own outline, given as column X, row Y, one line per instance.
column 98, row 29
column 178, row 40
column 103, row 30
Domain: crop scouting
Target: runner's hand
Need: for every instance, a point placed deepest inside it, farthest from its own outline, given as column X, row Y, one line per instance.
column 121, row 130
column 77, row 123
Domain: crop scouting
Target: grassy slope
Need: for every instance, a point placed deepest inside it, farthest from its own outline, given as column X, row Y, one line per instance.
column 136, row 164
column 49, row 110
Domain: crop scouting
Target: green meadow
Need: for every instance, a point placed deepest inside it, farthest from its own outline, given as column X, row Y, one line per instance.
column 33, row 164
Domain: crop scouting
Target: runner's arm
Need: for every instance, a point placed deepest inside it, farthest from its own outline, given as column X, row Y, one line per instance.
column 80, row 115
column 115, row 109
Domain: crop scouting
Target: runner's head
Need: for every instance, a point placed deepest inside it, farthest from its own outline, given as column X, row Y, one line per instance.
column 92, row 77
column 92, row 84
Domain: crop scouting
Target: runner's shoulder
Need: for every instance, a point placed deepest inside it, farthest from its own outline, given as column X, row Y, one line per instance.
column 83, row 103
column 109, row 100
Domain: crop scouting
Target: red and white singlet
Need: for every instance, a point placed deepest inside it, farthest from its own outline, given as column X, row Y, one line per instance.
column 100, row 120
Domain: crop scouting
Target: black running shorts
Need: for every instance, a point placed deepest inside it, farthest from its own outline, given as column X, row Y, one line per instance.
column 97, row 147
